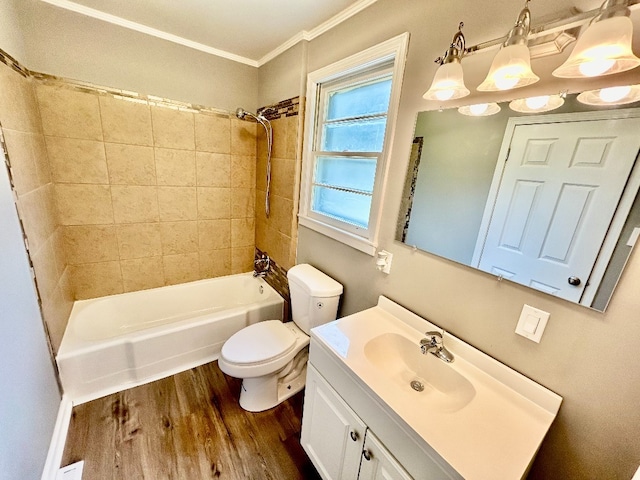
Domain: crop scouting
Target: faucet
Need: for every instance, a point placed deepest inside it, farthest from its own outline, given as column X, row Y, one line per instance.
column 261, row 266
column 434, row 343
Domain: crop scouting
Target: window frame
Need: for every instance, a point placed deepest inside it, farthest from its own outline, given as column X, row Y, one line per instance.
column 375, row 62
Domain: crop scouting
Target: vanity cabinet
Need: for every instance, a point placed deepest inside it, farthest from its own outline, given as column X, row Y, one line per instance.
column 338, row 442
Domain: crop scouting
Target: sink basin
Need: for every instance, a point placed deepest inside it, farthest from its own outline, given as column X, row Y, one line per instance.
column 402, row 363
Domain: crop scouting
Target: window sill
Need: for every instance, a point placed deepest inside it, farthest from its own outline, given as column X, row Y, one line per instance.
column 347, row 238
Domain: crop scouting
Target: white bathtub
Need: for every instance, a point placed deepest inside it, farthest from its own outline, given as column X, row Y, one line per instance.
column 116, row 342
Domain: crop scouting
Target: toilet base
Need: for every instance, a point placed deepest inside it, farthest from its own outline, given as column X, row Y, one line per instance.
column 262, row 393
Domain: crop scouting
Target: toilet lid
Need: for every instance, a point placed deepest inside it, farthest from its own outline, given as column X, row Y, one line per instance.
column 258, row 343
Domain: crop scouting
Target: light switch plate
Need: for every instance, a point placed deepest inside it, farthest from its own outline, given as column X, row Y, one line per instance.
column 71, row 472
column 532, row 323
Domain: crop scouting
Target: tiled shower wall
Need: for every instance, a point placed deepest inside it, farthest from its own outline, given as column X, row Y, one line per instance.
column 31, row 178
column 148, row 195
column 277, row 235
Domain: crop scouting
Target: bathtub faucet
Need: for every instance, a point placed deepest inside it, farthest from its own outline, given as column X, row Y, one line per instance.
column 261, row 266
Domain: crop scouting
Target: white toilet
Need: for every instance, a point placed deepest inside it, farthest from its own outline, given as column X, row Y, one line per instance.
column 271, row 356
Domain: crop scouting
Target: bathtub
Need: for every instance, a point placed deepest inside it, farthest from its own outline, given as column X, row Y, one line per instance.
column 120, row 341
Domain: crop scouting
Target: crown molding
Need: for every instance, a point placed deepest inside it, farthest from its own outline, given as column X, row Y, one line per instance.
column 307, row 35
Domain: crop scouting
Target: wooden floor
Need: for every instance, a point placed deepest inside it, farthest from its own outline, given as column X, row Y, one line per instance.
column 187, row 427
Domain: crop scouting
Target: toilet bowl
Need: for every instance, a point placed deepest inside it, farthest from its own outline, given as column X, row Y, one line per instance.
column 271, row 356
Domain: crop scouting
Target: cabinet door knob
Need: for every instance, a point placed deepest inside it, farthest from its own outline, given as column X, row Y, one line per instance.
column 354, row 435
column 367, row 455
column 575, row 281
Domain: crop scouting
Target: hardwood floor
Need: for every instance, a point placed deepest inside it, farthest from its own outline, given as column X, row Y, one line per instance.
column 187, row 427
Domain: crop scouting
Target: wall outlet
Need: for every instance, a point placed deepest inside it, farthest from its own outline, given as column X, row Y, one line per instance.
column 532, row 323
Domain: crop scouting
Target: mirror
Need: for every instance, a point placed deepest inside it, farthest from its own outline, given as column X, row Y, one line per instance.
column 541, row 200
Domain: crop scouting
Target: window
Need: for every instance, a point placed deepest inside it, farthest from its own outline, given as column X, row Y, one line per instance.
column 347, row 139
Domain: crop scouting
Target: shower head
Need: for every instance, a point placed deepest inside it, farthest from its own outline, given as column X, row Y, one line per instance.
column 241, row 113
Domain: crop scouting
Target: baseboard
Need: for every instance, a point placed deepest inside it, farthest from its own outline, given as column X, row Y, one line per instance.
column 58, row 439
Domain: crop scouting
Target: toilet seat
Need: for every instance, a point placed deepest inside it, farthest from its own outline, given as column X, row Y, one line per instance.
column 259, row 343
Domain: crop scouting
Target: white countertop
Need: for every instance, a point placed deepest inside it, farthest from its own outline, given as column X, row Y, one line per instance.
column 494, row 435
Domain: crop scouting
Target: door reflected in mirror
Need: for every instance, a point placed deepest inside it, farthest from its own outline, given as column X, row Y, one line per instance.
column 547, row 201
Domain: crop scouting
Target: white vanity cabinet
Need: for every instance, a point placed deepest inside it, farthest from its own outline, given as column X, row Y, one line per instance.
column 338, row 442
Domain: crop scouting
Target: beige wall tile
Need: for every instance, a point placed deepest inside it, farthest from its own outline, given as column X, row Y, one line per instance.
column 242, row 259
column 175, row 167
column 179, row 237
column 292, row 137
column 282, row 214
column 280, row 137
column 215, row 263
column 213, row 169
column 92, row 280
column 56, row 312
column 283, row 177
column 77, row 161
column 133, row 204
column 213, row 133
column 21, row 156
column 181, row 268
column 213, row 203
column 243, row 202
column 130, row 164
column 142, row 273
column 84, row 204
column 139, row 240
column 261, row 172
column 59, row 250
column 125, row 121
column 243, row 137
column 90, row 243
column 16, row 100
column 69, row 113
column 44, row 264
column 41, row 159
column 243, row 232
column 173, row 128
column 243, row 171
column 214, row 234
column 177, row 203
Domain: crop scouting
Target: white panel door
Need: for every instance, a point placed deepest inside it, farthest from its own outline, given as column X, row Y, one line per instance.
column 332, row 434
column 378, row 463
column 560, row 188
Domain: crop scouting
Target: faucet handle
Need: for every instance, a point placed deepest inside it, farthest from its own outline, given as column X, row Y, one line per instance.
column 434, row 333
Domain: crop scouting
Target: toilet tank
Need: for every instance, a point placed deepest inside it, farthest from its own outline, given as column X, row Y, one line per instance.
column 314, row 296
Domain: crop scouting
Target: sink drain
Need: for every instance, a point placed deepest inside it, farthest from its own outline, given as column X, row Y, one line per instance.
column 417, row 386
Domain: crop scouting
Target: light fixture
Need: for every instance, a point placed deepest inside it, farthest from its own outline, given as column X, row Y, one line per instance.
column 448, row 82
column 479, row 109
column 511, row 67
column 605, row 47
column 611, row 96
column 539, row 104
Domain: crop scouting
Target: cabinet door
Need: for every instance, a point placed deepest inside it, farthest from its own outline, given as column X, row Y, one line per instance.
column 332, row 434
column 378, row 463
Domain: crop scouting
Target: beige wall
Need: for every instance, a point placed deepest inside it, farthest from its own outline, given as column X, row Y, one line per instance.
column 27, row 153
column 148, row 195
column 11, row 38
column 283, row 77
column 587, row 357
column 69, row 45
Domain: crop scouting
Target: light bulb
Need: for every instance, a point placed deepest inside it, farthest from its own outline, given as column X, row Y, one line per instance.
column 593, row 68
column 613, row 94
column 536, row 103
column 443, row 95
column 479, row 108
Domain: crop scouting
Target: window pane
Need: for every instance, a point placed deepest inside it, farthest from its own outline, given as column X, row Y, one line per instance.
column 348, row 207
column 362, row 136
column 353, row 173
column 359, row 101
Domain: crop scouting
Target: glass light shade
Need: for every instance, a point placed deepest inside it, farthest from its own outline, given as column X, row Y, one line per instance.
column 603, row 49
column 480, row 109
column 611, row 96
column 511, row 68
column 448, row 83
column 543, row 103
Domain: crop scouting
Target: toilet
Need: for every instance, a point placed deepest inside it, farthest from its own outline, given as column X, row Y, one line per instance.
column 271, row 356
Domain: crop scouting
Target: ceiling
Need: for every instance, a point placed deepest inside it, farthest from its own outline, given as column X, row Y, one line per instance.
column 248, row 31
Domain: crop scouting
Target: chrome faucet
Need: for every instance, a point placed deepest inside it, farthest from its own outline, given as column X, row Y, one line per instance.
column 434, row 343
column 261, row 266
